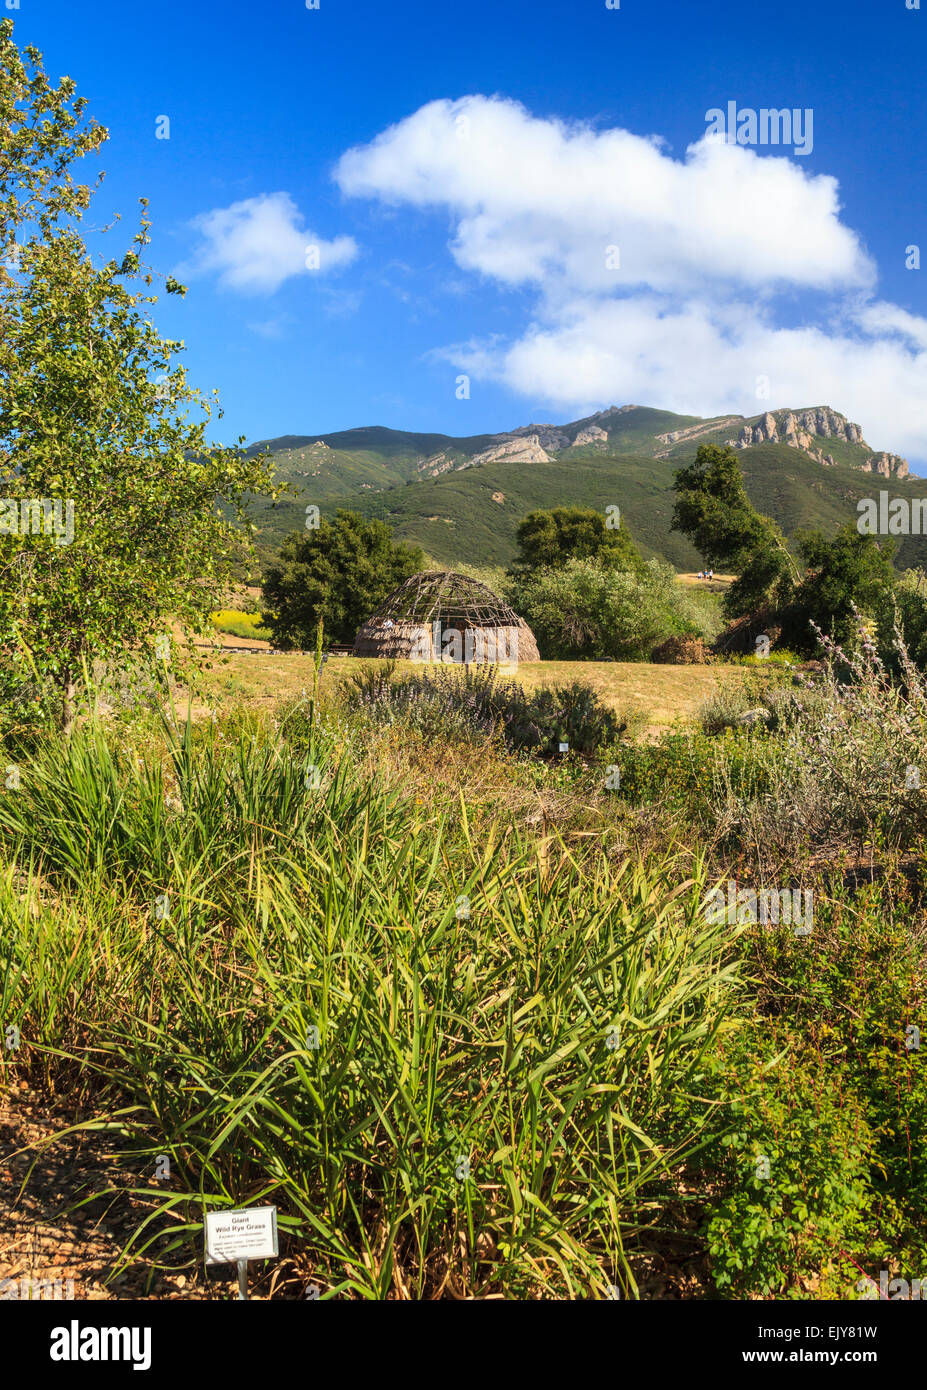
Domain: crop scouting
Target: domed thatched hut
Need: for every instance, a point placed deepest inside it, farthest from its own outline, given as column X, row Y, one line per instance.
column 443, row 616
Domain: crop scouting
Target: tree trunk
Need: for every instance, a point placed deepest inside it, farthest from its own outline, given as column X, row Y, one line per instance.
column 68, row 707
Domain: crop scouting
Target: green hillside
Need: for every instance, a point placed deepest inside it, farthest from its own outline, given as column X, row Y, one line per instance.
column 636, row 431
column 455, row 517
column 470, row 513
column 351, row 463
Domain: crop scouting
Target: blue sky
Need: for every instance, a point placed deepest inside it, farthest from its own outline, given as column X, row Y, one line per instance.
column 748, row 278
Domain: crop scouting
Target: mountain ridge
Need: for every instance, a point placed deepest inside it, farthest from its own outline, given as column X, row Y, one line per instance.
column 461, row 496
column 796, row 428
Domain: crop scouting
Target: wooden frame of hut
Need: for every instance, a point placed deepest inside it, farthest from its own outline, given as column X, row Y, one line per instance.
column 444, row 616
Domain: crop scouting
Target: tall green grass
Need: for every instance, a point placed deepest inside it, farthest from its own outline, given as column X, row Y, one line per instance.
column 512, row 1039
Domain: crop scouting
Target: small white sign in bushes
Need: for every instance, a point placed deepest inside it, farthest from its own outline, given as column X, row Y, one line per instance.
column 235, row 1237
column 250, row 1233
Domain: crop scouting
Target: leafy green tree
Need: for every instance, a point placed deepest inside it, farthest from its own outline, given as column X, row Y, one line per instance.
column 849, row 571
column 550, row 539
column 110, row 520
column 713, row 510
column 339, row 573
column 905, row 606
column 766, row 578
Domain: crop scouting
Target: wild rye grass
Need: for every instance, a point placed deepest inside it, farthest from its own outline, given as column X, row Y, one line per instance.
column 295, row 901
column 507, row 1074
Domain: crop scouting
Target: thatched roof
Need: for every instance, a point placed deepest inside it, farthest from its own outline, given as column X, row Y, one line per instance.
column 451, row 597
column 412, row 621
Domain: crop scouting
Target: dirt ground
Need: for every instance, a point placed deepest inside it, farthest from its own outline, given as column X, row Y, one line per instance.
column 65, row 1218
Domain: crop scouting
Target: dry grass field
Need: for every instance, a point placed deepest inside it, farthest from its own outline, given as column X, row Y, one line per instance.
column 662, row 693
column 716, row 585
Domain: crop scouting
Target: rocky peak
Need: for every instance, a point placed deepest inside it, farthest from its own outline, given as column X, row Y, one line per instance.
column 691, row 432
column 592, row 434
column 798, row 428
column 888, row 465
column 525, row 448
column 548, row 436
column 435, row 465
column 802, row 429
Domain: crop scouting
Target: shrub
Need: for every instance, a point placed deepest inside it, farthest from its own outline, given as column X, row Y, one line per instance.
column 680, row 651
column 474, row 704
column 694, row 774
column 797, row 1161
column 842, row 1122
column 853, row 752
column 442, row 704
column 588, row 611
column 905, row 608
column 725, row 706
column 765, row 690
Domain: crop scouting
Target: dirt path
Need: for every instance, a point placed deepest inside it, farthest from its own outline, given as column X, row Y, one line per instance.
column 54, row 1242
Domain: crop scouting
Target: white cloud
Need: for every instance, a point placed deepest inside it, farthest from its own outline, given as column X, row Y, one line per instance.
column 538, row 199
column 698, row 359
column 258, row 243
column 718, row 253
column 889, row 319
